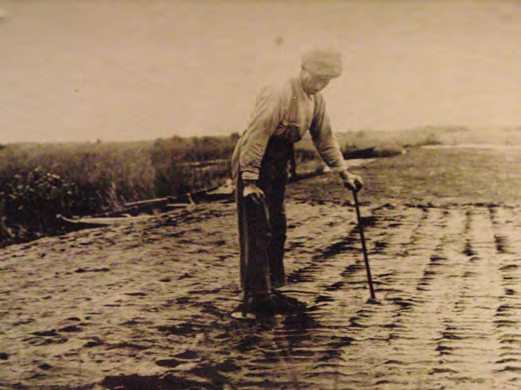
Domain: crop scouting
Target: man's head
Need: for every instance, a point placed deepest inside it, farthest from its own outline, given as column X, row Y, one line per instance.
column 318, row 68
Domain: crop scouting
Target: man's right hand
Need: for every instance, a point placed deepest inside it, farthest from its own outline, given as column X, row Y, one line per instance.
column 252, row 191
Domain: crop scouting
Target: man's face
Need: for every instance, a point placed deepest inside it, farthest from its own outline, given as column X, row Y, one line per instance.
column 311, row 83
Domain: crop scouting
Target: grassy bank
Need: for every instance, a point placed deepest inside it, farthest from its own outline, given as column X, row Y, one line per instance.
column 40, row 181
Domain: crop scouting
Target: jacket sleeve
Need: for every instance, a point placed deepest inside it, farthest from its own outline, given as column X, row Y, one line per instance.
column 324, row 139
column 265, row 119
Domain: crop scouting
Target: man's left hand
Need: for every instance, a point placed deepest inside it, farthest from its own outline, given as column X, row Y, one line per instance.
column 352, row 182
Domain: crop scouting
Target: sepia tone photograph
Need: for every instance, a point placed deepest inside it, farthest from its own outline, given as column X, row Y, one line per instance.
column 260, row 194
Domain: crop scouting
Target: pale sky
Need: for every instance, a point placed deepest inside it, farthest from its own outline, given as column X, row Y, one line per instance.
column 145, row 69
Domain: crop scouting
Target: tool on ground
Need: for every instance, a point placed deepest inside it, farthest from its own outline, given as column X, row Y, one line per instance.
column 364, row 248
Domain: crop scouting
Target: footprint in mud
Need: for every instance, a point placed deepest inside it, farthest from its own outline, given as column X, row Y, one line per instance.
column 295, row 245
column 136, row 294
column 46, row 333
column 450, row 335
column 71, row 328
column 502, row 244
column 182, row 329
column 380, row 246
column 509, row 268
column 83, row 270
column 335, row 286
column 324, row 298
column 94, row 342
column 405, row 304
column 45, row 366
column 505, row 310
column 351, row 269
column 183, row 300
column 138, row 382
column 354, row 322
column 510, row 369
column 443, row 349
column 429, row 273
column 347, row 244
column 127, row 345
column 46, row 337
column 505, row 323
column 513, row 340
column 437, row 260
column 202, row 291
column 179, row 359
column 299, row 276
column 469, row 250
column 369, row 221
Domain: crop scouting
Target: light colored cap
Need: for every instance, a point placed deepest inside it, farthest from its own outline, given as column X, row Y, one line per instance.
column 323, row 63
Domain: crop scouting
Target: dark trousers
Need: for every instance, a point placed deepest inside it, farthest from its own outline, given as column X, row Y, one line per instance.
column 262, row 227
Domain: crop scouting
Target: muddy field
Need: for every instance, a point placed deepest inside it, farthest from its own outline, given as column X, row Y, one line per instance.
column 146, row 304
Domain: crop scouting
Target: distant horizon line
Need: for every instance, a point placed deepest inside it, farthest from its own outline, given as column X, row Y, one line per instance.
column 223, row 134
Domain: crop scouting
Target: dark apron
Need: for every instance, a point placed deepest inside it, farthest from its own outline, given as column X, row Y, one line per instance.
column 262, row 227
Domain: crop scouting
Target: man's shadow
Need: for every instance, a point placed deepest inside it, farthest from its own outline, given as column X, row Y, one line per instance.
column 294, row 330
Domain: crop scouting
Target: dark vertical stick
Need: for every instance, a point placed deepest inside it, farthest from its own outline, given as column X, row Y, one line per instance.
column 366, row 258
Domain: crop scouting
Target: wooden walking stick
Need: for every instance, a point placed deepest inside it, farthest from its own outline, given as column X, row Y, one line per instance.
column 366, row 258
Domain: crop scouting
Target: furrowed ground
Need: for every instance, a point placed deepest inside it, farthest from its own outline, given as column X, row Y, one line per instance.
column 146, row 304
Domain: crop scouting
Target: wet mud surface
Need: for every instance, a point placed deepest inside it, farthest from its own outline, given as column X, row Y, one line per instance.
column 146, row 305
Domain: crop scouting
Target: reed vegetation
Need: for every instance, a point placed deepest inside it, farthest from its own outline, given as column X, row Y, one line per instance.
column 39, row 182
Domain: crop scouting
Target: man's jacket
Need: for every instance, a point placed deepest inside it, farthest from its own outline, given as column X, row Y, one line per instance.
column 285, row 112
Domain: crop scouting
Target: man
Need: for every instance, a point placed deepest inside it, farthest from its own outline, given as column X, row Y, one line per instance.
column 260, row 170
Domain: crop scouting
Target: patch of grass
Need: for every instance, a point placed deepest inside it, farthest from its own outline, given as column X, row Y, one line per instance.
column 422, row 176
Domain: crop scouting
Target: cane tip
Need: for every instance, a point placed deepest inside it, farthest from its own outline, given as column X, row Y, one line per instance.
column 373, row 301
